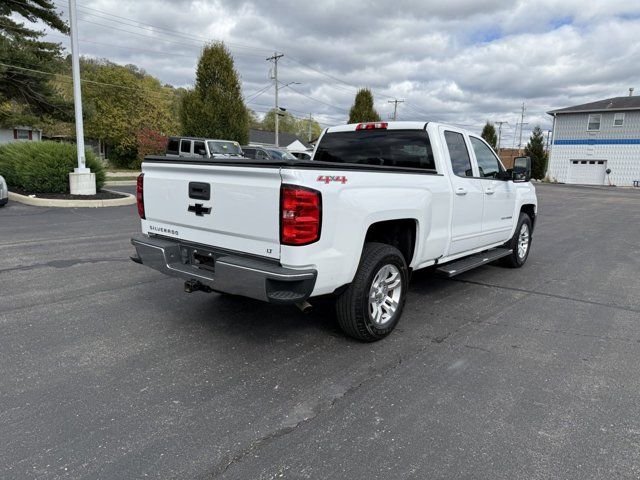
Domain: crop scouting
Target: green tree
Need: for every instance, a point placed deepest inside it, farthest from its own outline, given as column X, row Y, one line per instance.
column 214, row 108
column 306, row 125
column 535, row 150
column 489, row 134
column 24, row 94
column 287, row 123
column 362, row 109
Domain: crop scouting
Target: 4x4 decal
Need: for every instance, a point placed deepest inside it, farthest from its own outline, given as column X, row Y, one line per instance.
column 328, row 179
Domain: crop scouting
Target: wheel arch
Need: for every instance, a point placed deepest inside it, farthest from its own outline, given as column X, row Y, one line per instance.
column 400, row 233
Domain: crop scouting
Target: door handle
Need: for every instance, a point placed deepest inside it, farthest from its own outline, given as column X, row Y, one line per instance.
column 489, row 191
column 461, row 191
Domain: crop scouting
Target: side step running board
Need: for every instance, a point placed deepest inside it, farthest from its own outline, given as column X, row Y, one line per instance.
column 473, row 261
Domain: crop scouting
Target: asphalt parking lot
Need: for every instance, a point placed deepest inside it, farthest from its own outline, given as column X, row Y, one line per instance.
column 108, row 370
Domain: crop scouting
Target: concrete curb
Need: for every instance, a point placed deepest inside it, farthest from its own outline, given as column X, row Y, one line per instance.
column 55, row 202
column 119, row 183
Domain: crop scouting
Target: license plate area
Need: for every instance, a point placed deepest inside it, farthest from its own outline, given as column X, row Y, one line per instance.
column 198, row 257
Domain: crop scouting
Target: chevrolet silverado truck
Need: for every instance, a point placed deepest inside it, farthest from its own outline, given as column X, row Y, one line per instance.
column 376, row 202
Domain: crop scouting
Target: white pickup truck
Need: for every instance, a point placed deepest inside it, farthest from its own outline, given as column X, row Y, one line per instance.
column 376, row 202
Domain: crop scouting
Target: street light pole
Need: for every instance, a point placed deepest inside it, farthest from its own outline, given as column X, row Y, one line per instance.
column 81, row 181
column 275, row 57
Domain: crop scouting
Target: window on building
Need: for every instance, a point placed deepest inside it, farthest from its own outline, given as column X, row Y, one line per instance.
column 618, row 119
column 594, row 122
column 460, row 160
column 22, row 134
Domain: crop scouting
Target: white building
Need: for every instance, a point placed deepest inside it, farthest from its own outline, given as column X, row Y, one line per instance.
column 11, row 134
column 592, row 138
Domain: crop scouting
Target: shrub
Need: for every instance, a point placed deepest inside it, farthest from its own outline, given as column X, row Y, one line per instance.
column 120, row 157
column 44, row 167
column 149, row 142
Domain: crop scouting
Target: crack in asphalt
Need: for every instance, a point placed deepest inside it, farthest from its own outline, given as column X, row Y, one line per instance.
column 63, row 263
column 550, row 295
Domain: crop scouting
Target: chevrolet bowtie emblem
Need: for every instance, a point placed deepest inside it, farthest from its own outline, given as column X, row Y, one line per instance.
column 199, row 209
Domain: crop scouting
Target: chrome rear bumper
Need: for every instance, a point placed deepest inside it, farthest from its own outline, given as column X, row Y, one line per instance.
column 225, row 272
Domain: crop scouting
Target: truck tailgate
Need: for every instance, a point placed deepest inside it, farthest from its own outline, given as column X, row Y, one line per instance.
column 244, row 205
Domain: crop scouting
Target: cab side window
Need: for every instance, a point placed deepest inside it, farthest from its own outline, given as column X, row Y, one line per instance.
column 249, row 152
column 185, row 146
column 460, row 160
column 199, row 147
column 488, row 163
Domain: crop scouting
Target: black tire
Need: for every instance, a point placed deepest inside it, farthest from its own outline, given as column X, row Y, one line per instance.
column 352, row 306
column 516, row 259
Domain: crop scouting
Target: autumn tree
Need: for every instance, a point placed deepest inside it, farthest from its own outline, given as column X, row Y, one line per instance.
column 489, row 135
column 535, row 150
column 214, row 108
column 362, row 109
column 120, row 102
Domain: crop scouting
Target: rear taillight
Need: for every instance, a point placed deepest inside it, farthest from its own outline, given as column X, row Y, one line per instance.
column 372, row 126
column 140, row 195
column 300, row 215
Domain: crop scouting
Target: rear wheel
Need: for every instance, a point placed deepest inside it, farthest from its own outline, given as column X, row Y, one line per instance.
column 520, row 243
column 369, row 309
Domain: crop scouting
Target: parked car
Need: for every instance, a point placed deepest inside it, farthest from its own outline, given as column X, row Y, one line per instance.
column 267, row 153
column 4, row 192
column 201, row 147
column 378, row 201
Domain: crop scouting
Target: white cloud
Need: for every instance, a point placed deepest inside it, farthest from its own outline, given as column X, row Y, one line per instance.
column 457, row 61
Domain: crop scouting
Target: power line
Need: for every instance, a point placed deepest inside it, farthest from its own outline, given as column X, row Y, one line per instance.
column 84, row 80
column 101, row 13
column 317, row 100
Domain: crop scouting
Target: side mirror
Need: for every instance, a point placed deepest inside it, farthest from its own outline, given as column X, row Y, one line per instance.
column 521, row 169
column 202, row 152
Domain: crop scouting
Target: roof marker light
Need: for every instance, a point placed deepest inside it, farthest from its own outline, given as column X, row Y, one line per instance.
column 372, row 126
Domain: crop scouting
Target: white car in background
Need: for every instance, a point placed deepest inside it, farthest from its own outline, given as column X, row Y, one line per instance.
column 4, row 192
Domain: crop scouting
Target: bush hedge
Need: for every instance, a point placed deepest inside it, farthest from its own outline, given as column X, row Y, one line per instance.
column 44, row 167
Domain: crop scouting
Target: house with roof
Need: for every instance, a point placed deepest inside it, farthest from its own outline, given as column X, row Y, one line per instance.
column 265, row 138
column 19, row 133
column 597, row 143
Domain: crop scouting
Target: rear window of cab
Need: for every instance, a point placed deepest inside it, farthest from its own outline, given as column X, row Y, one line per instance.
column 386, row 148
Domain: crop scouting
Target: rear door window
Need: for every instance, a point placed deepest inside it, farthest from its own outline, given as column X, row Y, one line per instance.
column 460, row 159
column 185, row 146
column 388, row 148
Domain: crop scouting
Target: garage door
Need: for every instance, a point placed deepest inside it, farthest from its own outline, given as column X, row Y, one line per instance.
column 587, row 172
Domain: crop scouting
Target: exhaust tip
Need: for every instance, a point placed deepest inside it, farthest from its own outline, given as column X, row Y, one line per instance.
column 304, row 307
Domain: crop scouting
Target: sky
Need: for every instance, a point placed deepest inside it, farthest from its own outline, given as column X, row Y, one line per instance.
column 462, row 62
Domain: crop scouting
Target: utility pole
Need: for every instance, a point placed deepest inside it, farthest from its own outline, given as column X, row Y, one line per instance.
column 81, row 181
column 310, row 120
column 521, row 125
column 275, row 57
column 395, row 108
column 500, row 132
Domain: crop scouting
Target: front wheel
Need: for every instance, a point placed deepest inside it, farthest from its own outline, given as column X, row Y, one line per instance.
column 369, row 309
column 520, row 243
